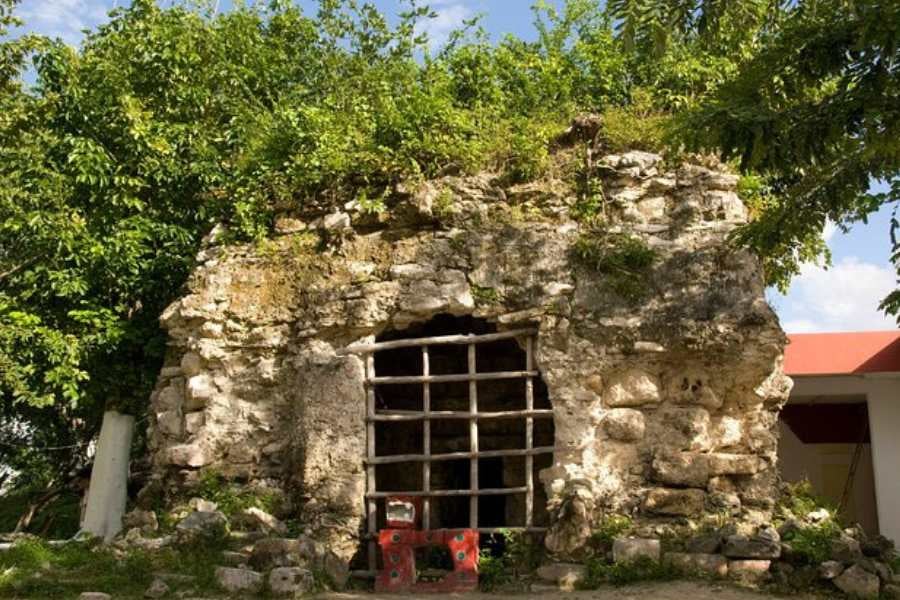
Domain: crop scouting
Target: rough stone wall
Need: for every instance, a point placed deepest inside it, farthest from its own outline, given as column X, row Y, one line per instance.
column 665, row 405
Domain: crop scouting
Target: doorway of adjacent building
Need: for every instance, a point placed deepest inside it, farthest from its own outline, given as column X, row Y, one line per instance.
column 825, row 441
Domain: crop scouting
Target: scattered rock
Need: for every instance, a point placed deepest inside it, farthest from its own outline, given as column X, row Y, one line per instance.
column 714, row 565
column 819, row 515
column 239, row 580
column 290, row 581
column 202, row 505
column 94, row 596
column 845, row 549
column 142, row 519
column 830, row 569
column 260, row 520
column 858, row 582
column 202, row 524
column 627, row 550
column 565, row 575
column 281, row 552
column 749, row 571
column 765, row 544
column 157, row 589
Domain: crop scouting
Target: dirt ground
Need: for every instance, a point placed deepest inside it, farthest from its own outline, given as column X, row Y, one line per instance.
column 679, row 590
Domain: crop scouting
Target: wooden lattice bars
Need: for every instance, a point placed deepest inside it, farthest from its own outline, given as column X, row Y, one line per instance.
column 427, row 416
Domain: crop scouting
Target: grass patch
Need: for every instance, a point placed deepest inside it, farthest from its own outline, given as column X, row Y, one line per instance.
column 33, row 569
column 599, row 572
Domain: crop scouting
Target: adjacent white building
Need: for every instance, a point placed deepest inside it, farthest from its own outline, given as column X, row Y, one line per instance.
column 841, row 426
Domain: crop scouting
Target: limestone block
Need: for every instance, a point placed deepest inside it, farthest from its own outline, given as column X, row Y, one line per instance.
column 94, row 596
column 234, row 580
column 683, row 428
column 186, row 455
column 704, row 544
column 199, row 390
column 681, row 468
column 733, row 464
column 765, row 544
column 728, row 431
column 170, row 423
column 290, row 581
column 632, row 388
column 626, row 550
column 858, row 583
column 713, row 565
column 751, row 572
column 672, row 502
column 692, row 387
column 193, row 422
column 171, row 397
column 624, row 424
column 652, row 209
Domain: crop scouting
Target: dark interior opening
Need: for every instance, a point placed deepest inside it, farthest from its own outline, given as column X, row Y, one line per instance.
column 453, row 435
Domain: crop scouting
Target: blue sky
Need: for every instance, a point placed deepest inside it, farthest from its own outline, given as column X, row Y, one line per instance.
column 844, row 297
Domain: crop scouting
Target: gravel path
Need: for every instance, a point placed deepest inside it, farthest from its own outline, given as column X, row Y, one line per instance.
column 679, row 590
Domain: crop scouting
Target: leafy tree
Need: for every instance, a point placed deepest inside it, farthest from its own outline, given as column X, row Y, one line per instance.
column 815, row 114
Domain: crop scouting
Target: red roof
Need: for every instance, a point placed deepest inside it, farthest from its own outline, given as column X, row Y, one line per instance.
column 842, row 353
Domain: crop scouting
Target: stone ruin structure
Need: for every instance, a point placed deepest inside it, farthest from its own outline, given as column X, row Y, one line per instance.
column 657, row 400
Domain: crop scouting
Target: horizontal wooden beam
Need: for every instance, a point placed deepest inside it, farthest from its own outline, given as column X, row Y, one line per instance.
column 411, row 415
column 401, row 458
column 444, row 493
column 468, row 377
column 441, row 340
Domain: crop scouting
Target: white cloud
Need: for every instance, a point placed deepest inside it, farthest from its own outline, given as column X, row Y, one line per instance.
column 63, row 18
column 842, row 298
column 449, row 15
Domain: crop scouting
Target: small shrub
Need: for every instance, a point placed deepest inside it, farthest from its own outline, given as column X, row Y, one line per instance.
column 231, row 498
column 625, row 259
column 518, row 555
column 610, row 527
column 485, row 295
column 636, row 126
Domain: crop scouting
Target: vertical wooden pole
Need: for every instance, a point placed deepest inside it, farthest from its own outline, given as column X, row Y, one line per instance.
column 371, row 507
column 529, row 434
column 473, row 441
column 426, row 441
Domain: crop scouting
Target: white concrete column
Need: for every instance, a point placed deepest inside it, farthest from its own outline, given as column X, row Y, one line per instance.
column 108, row 492
column 884, row 424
